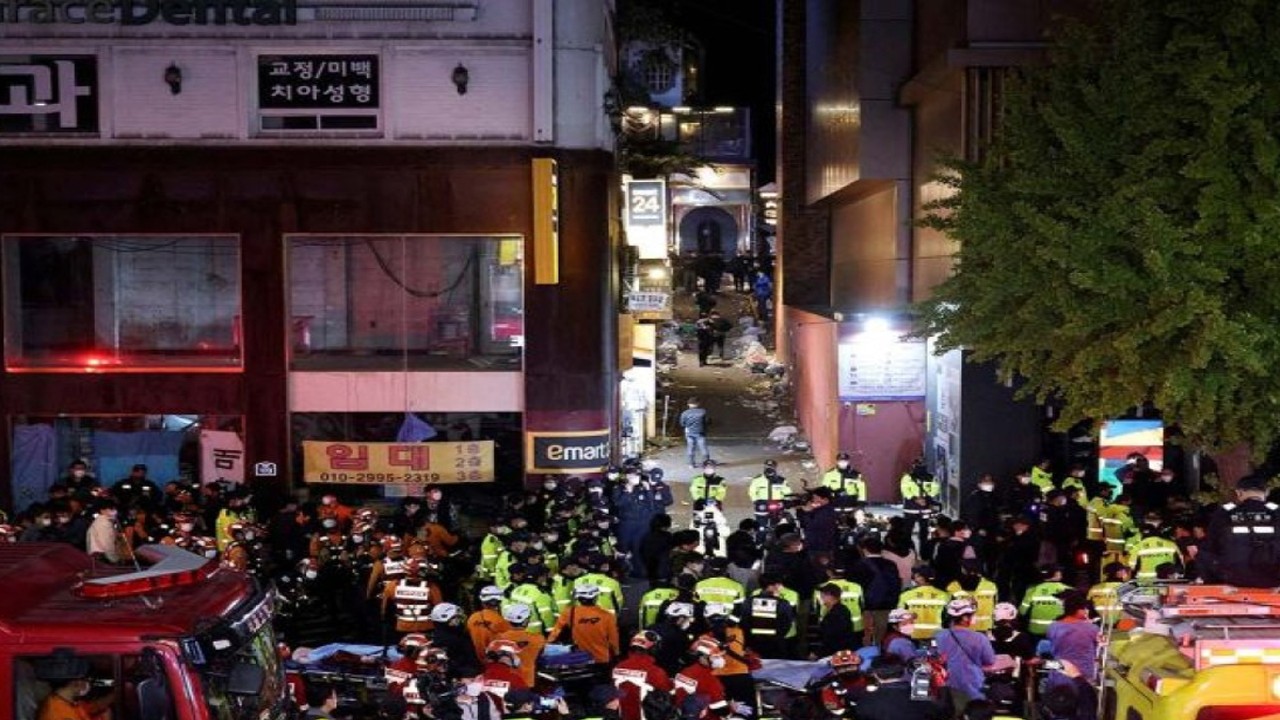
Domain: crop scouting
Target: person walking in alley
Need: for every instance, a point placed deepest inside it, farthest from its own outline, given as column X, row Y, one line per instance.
column 694, row 422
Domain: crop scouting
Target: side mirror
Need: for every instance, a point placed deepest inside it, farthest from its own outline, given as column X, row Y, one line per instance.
column 245, row 679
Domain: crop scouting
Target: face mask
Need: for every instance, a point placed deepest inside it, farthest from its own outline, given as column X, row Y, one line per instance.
column 63, row 519
column 77, row 474
column 434, row 497
column 329, row 501
column 1024, row 480
column 906, row 629
column 986, row 487
column 330, row 523
column 633, row 479
column 612, row 475
column 603, row 525
column 843, row 464
column 310, row 574
column 1078, row 474
column 357, row 539
column 717, row 662
column 248, row 536
column 186, row 527
column 549, row 486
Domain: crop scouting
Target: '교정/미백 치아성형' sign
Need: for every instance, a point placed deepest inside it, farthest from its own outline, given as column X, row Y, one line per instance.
column 376, row 463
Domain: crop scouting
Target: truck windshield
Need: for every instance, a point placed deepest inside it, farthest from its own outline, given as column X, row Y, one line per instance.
column 259, row 651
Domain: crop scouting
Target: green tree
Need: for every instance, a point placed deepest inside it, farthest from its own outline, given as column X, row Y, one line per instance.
column 1119, row 242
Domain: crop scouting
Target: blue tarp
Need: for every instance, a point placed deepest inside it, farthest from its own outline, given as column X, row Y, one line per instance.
column 34, row 463
column 414, row 430
column 116, row 453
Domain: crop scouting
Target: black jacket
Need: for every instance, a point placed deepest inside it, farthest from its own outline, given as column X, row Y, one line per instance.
column 981, row 511
column 892, row 701
column 821, row 528
column 836, row 630
column 457, row 645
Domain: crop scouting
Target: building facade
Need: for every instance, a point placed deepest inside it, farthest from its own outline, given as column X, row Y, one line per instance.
column 872, row 95
column 282, row 222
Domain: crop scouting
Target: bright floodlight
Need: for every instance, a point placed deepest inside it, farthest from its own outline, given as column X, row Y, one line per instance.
column 876, row 324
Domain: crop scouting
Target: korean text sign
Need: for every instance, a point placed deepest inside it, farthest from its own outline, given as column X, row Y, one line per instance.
column 372, row 463
column 317, row 82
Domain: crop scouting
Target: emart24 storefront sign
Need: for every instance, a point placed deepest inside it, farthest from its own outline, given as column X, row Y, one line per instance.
column 371, row 463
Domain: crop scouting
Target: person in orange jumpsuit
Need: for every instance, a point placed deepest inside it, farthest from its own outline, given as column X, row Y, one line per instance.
column 594, row 629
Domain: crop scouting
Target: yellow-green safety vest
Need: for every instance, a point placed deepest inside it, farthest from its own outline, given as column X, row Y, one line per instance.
column 928, row 603
column 1041, row 606
column 984, row 596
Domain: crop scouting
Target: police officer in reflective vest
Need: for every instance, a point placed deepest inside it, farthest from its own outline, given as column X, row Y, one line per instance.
column 1243, row 543
column 708, row 486
column 652, row 602
column 1105, row 596
column 1151, row 552
column 926, row 602
column 846, row 482
column 920, row 496
column 1041, row 604
column 719, row 588
column 769, row 619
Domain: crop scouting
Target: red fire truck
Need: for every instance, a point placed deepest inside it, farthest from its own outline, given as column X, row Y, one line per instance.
column 179, row 639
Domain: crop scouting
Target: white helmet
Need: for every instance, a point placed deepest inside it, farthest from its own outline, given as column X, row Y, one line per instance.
column 517, row 613
column 715, row 609
column 444, row 613
column 680, row 610
column 491, row 594
column 586, row 591
column 897, row 616
column 961, row 607
column 1005, row 612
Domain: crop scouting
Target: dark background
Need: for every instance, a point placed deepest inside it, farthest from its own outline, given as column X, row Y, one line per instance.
column 738, row 38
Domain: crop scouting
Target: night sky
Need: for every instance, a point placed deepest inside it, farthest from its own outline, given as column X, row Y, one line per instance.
column 738, row 37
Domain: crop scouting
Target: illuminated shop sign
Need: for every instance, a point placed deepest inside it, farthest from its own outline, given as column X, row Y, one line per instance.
column 145, row 12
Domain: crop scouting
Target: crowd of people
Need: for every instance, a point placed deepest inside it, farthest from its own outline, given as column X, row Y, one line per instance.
column 1027, row 578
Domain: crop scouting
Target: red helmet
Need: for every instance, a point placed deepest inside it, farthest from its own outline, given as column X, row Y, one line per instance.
column 503, row 650
column 706, row 647
column 413, row 640
column 646, row 640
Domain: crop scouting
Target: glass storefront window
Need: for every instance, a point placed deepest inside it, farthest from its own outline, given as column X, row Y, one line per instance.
column 406, row 302
column 117, row 303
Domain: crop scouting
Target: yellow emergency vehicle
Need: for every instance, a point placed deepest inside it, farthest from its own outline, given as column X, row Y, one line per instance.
column 1199, row 652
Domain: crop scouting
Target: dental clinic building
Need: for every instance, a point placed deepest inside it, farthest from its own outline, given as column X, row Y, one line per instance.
column 278, row 222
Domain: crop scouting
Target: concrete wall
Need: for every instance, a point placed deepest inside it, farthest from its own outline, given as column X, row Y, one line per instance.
column 866, row 238
column 812, row 365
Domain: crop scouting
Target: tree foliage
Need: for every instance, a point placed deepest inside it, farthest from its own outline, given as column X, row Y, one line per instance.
column 1120, row 240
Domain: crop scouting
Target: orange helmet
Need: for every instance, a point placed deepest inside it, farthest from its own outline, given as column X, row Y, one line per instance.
column 845, row 661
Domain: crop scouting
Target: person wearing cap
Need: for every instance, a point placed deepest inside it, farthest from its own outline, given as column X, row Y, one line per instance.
column 1105, row 595
column 653, row 601
column 610, row 597
column 491, row 546
column 530, row 643
column 1242, row 543
column 771, row 618
column 718, row 587
column 1117, row 526
column 1042, row 604
column 517, row 543
column 593, row 629
column 835, row 628
column 640, row 499
column 674, row 632
column 967, row 653
column 527, row 590
column 638, row 674
column 768, row 486
column 846, row 482
column 927, row 602
column 1152, row 551
column 971, row 584
column 1017, row 568
column 921, row 493
column 487, row 623
column 400, row 671
column 710, row 485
